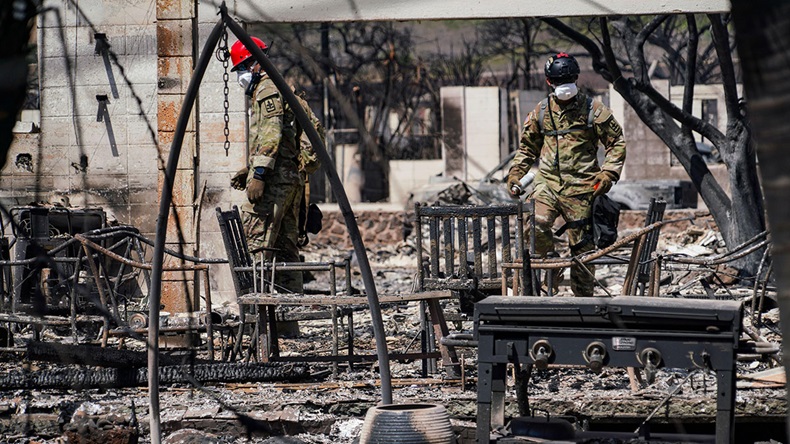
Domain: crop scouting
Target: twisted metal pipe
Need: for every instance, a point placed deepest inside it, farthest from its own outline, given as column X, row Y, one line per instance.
column 717, row 260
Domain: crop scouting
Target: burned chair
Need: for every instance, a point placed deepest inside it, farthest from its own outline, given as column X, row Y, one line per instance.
column 255, row 293
column 641, row 278
column 41, row 272
column 40, row 230
column 466, row 246
column 72, row 271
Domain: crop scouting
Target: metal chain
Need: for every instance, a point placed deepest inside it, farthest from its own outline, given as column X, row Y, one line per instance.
column 223, row 55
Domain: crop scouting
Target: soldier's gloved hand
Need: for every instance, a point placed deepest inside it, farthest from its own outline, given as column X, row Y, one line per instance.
column 256, row 186
column 603, row 182
column 513, row 185
column 239, row 180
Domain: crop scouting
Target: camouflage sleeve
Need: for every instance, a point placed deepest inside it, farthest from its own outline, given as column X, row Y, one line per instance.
column 308, row 160
column 610, row 134
column 266, row 126
column 529, row 146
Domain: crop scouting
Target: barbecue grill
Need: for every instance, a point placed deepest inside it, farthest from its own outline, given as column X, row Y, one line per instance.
column 624, row 331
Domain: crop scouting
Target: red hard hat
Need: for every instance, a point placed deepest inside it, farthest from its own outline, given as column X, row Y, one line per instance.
column 239, row 53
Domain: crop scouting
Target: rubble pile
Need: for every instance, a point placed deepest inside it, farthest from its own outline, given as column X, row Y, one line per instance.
column 322, row 404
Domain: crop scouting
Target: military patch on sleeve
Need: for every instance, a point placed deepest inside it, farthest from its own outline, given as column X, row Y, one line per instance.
column 614, row 126
column 602, row 113
column 271, row 106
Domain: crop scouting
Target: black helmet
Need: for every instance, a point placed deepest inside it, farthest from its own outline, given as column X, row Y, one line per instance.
column 562, row 68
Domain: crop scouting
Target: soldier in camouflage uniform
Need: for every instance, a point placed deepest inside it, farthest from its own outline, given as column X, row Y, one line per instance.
column 273, row 182
column 562, row 133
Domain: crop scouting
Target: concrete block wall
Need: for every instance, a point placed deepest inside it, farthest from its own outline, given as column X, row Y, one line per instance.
column 406, row 175
column 175, row 59
column 485, row 119
column 154, row 44
column 116, row 163
column 110, row 163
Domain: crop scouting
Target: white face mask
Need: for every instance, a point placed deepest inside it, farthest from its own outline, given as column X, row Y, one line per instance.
column 244, row 78
column 566, row 91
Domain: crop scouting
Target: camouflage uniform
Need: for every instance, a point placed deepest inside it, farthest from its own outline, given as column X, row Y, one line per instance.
column 272, row 222
column 308, row 164
column 567, row 167
column 308, row 160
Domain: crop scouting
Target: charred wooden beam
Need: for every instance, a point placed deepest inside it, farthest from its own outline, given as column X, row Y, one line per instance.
column 98, row 356
column 86, row 377
column 48, row 320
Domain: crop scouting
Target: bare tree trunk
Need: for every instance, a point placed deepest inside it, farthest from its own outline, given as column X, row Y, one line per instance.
column 763, row 37
column 747, row 200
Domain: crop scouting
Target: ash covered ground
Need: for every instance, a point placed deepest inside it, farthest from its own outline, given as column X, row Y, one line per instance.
column 330, row 408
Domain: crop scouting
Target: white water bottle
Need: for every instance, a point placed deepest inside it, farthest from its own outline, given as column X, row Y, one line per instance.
column 523, row 183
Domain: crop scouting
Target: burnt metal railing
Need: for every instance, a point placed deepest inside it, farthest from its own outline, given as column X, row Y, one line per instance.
column 88, row 272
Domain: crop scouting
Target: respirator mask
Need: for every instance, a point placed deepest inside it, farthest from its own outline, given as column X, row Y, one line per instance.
column 248, row 80
column 566, row 91
column 244, row 78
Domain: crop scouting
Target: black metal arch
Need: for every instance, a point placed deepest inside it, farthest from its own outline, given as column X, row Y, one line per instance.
column 166, row 198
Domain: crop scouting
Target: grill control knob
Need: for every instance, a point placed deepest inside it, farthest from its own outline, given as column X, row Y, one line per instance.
column 541, row 353
column 651, row 359
column 595, row 355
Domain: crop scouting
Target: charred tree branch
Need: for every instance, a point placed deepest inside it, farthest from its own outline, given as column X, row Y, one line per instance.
column 598, row 65
column 721, row 40
column 611, row 62
column 694, row 123
column 691, row 67
column 638, row 43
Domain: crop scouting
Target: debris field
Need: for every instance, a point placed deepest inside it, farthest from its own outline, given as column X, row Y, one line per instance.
column 94, row 400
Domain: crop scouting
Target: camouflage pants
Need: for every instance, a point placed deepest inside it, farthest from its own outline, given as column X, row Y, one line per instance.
column 274, row 224
column 548, row 206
